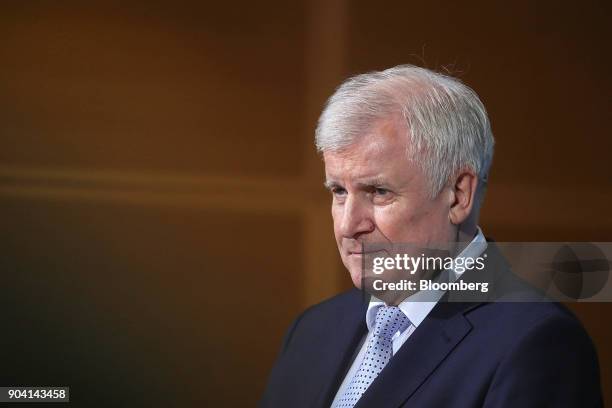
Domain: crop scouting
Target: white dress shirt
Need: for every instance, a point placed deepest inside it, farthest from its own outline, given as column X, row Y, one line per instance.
column 414, row 309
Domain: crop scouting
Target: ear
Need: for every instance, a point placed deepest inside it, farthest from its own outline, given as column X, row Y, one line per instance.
column 463, row 192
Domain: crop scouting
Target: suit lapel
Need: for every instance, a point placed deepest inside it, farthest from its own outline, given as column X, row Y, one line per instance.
column 427, row 347
column 340, row 348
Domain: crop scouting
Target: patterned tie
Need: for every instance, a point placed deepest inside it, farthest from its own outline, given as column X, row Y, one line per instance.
column 389, row 320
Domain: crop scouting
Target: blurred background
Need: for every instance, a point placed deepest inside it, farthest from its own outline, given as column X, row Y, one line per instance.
column 163, row 215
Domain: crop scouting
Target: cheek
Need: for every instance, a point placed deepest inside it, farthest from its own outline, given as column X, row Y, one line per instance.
column 395, row 222
column 437, row 225
column 336, row 216
column 412, row 224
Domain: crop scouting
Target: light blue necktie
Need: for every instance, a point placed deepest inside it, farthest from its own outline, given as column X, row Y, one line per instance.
column 389, row 320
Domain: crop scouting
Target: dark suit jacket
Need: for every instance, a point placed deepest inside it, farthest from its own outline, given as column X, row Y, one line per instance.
column 470, row 354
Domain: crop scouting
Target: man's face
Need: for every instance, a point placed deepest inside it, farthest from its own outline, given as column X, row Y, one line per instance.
column 381, row 197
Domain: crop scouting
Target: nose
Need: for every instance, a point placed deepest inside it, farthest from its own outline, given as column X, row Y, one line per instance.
column 356, row 218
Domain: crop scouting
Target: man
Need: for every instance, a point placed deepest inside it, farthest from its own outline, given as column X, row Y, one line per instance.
column 407, row 152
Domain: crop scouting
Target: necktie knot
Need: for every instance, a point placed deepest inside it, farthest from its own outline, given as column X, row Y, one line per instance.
column 390, row 320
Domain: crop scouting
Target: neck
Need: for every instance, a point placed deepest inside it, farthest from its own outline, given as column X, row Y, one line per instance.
column 465, row 233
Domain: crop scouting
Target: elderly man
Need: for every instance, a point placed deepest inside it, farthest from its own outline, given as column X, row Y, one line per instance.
column 407, row 152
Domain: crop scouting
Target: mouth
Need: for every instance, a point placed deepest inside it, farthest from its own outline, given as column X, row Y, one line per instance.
column 361, row 253
column 358, row 249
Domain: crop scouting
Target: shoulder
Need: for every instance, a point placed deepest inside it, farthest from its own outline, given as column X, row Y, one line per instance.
column 332, row 311
column 545, row 336
column 318, row 322
column 515, row 322
column 339, row 304
column 539, row 344
column 515, row 307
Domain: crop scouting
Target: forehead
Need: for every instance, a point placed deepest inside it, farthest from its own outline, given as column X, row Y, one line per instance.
column 382, row 151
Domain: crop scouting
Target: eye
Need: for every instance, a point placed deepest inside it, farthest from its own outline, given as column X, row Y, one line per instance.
column 338, row 191
column 381, row 191
column 381, row 195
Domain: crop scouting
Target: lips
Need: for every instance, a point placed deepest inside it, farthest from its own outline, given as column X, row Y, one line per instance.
column 364, row 252
column 353, row 250
column 370, row 251
column 356, row 251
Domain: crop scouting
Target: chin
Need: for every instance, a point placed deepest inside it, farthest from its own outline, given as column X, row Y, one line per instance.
column 356, row 278
column 354, row 272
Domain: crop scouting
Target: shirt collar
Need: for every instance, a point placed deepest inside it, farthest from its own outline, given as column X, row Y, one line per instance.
column 415, row 309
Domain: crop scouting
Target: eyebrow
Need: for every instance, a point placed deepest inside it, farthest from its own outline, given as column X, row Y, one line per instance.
column 330, row 184
column 376, row 181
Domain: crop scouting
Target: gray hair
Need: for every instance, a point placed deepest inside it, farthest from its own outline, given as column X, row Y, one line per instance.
column 445, row 120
